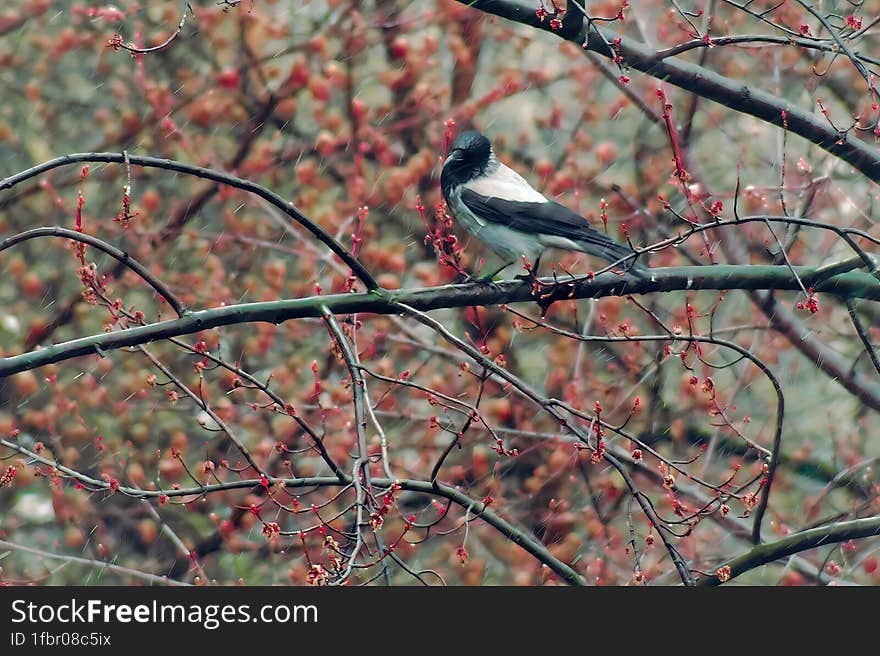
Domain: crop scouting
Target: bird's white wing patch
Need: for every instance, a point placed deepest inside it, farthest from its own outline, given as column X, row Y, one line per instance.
column 507, row 184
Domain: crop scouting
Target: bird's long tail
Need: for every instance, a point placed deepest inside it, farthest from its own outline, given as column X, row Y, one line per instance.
column 611, row 251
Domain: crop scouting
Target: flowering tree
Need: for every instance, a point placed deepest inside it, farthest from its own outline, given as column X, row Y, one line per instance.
column 236, row 344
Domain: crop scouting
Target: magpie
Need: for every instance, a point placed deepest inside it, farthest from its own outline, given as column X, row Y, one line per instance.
column 498, row 207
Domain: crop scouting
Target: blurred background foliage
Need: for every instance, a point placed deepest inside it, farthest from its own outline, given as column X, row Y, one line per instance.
column 341, row 105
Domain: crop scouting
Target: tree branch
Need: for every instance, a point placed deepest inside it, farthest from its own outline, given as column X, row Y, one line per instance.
column 208, row 174
column 795, row 543
column 853, row 284
column 120, row 256
column 478, row 508
column 703, row 82
column 125, row 571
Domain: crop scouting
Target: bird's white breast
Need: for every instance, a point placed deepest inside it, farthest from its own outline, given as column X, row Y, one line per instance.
column 505, row 183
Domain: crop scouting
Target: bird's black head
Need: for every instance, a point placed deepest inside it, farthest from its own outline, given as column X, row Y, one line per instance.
column 468, row 157
column 471, row 146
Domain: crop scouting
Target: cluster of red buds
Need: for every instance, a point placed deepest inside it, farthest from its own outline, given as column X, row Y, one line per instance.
column 125, row 215
column 317, row 575
column 556, row 19
column 112, row 483
column 92, row 282
column 854, row 22
column 502, row 451
column 8, row 476
column 811, row 304
column 271, row 530
column 440, row 235
column 377, row 518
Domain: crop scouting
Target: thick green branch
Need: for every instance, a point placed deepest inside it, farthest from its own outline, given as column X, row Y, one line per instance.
column 854, row 284
column 796, row 543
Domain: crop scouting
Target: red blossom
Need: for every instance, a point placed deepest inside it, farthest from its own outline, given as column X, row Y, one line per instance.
column 116, row 42
column 854, row 22
column 8, row 476
column 271, row 530
column 317, row 575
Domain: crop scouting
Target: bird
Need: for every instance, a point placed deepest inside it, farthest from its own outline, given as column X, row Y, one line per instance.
column 498, row 207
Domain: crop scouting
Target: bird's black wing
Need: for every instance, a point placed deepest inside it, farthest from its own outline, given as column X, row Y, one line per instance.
column 549, row 218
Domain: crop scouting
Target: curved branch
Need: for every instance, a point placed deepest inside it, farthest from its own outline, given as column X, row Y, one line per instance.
column 116, row 41
column 696, row 79
column 208, row 174
column 774, row 453
column 478, row 508
column 98, row 564
column 204, row 407
column 863, row 334
column 795, row 543
column 824, row 358
column 120, row 256
column 549, row 405
column 264, row 387
column 737, row 39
